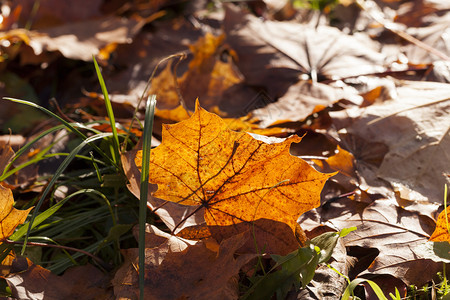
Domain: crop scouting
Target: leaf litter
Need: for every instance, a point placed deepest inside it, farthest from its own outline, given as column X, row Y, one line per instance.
column 381, row 118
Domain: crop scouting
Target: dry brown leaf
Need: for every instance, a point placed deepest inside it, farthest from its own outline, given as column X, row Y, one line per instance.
column 191, row 272
column 200, row 278
column 51, row 13
column 415, row 127
column 6, row 154
column 32, row 281
column 275, row 54
column 84, row 39
column 435, row 36
column 138, row 59
column 399, row 236
column 158, row 244
column 242, row 124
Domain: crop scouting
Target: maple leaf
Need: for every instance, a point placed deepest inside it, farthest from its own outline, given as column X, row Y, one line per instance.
column 10, row 217
column 246, row 123
column 211, row 73
column 235, row 176
column 30, row 281
column 441, row 233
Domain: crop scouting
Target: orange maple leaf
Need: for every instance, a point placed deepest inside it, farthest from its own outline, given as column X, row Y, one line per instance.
column 442, row 231
column 10, row 217
column 234, row 176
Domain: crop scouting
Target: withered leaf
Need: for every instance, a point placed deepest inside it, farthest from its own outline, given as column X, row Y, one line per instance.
column 415, row 128
column 178, row 268
column 399, row 236
column 193, row 273
column 36, row 282
column 275, row 54
column 82, row 40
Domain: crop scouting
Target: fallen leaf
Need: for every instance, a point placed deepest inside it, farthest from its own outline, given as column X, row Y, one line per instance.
column 399, row 236
column 6, row 154
column 276, row 54
column 210, row 74
column 415, row 128
column 442, row 231
column 200, row 278
column 10, row 217
column 84, row 39
column 157, row 245
column 435, row 36
column 35, row 282
column 342, row 161
column 235, row 177
column 53, row 12
column 138, row 59
column 191, row 271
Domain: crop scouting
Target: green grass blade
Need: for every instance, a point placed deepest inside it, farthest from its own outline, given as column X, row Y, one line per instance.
column 109, row 110
column 68, row 125
column 146, row 148
column 28, row 146
column 349, row 290
column 42, row 217
column 46, row 214
column 58, row 173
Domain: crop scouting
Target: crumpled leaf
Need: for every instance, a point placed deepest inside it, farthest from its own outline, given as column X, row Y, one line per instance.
column 30, row 281
column 157, row 245
column 84, row 39
column 195, row 272
column 203, row 281
column 415, row 127
column 399, row 236
column 434, row 35
column 237, row 178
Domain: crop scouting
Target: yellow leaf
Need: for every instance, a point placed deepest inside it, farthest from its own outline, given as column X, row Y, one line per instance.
column 10, row 217
column 441, row 233
column 235, row 177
